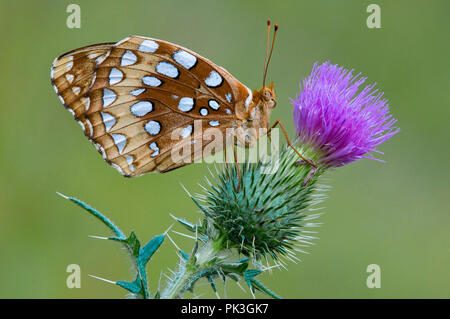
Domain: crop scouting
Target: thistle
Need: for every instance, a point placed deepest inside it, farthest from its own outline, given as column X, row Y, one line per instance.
column 268, row 214
column 338, row 123
column 269, row 217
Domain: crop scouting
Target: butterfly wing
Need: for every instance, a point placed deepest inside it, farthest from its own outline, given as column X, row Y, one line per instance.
column 131, row 97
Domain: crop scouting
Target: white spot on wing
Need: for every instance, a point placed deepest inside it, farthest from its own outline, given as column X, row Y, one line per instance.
column 129, row 58
column 204, row 111
column 151, row 81
column 214, row 79
column 92, row 56
column 122, row 41
column 120, row 140
column 108, row 121
column 167, row 69
column 118, row 168
column 108, row 97
column 214, row 123
column 87, row 102
column 228, row 96
column 213, row 104
column 187, row 131
column 82, row 125
column 100, row 149
column 185, row 59
column 148, row 46
column 141, row 108
column 76, row 90
column 93, row 80
column 102, row 58
column 129, row 159
column 153, row 127
column 137, row 92
column 71, row 112
column 115, row 76
column 69, row 77
column 91, row 129
column 248, row 99
column 154, row 147
column 186, row 104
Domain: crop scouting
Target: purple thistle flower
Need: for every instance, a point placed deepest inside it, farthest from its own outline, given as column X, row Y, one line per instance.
column 338, row 123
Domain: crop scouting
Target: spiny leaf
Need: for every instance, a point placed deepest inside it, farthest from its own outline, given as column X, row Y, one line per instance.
column 255, row 284
column 187, row 225
column 134, row 287
column 184, row 255
column 146, row 252
column 97, row 214
column 213, row 284
column 131, row 243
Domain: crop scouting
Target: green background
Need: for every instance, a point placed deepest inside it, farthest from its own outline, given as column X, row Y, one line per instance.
column 394, row 214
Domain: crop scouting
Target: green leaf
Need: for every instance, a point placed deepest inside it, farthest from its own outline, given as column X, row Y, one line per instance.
column 213, row 284
column 255, row 284
column 146, row 252
column 184, row 255
column 97, row 214
column 133, row 287
column 187, row 225
column 238, row 267
column 131, row 243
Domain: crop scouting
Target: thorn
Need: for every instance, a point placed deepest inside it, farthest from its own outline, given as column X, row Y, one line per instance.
column 239, row 285
column 62, row 195
column 170, row 238
column 159, row 281
column 251, row 291
column 98, row 237
column 102, row 279
column 171, row 271
column 185, row 189
column 168, row 229
column 191, row 237
column 266, row 268
column 225, row 295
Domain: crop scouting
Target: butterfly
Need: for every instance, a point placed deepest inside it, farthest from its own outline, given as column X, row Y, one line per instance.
column 130, row 96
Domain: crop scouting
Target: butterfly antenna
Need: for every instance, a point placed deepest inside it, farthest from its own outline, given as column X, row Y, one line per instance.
column 267, row 53
column 271, row 50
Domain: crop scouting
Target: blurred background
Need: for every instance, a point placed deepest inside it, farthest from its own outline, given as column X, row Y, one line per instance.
column 394, row 214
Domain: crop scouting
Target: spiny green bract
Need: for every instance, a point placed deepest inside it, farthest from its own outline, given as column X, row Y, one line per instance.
column 267, row 212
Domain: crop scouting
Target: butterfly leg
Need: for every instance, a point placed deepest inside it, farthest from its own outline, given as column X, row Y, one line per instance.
column 311, row 174
column 303, row 159
column 278, row 122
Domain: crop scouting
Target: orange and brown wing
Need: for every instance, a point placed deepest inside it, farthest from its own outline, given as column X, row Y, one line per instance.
column 131, row 96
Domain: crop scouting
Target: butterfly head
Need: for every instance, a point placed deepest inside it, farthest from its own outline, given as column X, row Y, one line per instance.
column 267, row 96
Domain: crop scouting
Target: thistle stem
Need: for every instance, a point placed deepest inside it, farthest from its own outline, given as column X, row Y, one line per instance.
column 193, row 269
